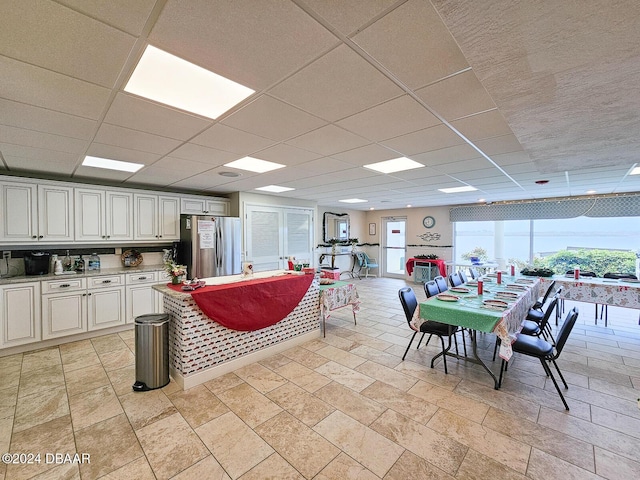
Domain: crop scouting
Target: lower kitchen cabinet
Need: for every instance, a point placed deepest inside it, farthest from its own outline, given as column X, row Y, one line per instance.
column 20, row 314
column 79, row 305
column 141, row 297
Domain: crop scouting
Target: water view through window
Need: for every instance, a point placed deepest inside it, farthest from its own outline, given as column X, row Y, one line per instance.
column 522, row 241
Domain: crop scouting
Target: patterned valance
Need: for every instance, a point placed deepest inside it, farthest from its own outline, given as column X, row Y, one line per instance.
column 618, row 206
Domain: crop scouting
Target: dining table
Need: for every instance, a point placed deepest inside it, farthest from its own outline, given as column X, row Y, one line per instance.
column 624, row 292
column 336, row 295
column 500, row 309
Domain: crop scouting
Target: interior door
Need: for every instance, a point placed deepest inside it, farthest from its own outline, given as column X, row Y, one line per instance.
column 394, row 246
column 273, row 234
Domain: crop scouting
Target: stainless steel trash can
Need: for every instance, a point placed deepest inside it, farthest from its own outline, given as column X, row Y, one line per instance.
column 152, row 351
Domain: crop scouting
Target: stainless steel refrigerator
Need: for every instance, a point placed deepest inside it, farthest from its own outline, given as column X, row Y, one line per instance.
column 210, row 246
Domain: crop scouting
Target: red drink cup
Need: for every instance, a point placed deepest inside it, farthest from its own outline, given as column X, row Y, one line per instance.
column 576, row 273
column 480, row 286
column 499, row 276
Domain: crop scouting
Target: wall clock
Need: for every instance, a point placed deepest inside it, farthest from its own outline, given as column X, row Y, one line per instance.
column 428, row 222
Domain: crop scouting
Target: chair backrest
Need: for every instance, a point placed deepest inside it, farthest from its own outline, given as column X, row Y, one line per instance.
column 442, row 283
column 431, row 288
column 548, row 292
column 455, row 280
column 409, row 302
column 565, row 330
column 474, row 272
column 360, row 260
column 463, row 276
column 619, row 275
column 367, row 261
column 548, row 312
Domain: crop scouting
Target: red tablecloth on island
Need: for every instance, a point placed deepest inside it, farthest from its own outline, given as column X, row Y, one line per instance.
column 437, row 261
column 252, row 304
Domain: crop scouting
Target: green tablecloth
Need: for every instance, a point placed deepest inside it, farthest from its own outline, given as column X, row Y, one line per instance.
column 469, row 311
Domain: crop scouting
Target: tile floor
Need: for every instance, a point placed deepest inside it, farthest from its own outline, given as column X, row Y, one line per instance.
column 344, row 407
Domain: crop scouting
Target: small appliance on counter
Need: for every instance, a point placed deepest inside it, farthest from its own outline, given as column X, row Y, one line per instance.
column 37, row 263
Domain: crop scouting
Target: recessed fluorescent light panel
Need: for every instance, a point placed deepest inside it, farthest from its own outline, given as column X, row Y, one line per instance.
column 274, row 189
column 395, row 165
column 254, row 165
column 635, row 171
column 168, row 79
column 466, row 188
column 353, row 200
column 111, row 164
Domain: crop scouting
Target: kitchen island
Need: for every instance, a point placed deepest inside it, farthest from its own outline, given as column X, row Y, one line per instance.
column 234, row 321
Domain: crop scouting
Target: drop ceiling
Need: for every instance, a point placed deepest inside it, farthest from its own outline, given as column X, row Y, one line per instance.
column 493, row 94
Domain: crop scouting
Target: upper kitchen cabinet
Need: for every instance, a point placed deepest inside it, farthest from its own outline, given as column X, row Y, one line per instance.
column 35, row 213
column 204, row 206
column 156, row 217
column 103, row 215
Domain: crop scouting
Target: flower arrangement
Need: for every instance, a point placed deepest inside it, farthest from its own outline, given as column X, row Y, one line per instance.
column 176, row 271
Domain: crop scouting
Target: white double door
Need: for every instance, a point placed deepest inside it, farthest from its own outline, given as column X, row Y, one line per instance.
column 273, row 234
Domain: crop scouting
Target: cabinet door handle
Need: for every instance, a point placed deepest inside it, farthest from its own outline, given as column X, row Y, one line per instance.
column 34, row 236
column 142, row 278
column 41, row 236
column 65, row 285
column 90, row 294
column 106, row 281
column 108, row 236
column 84, row 294
column 160, row 236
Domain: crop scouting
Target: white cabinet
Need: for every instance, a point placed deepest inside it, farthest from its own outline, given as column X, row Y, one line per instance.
column 78, row 305
column 64, row 307
column 106, row 302
column 103, row 215
column 141, row 298
column 36, row 213
column 204, row 205
column 156, row 217
column 20, row 314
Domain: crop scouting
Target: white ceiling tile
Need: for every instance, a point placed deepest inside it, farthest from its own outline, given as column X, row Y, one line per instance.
column 457, row 96
column 328, row 140
column 83, row 48
column 286, row 154
column 223, row 137
column 412, row 42
column 175, row 164
column 497, row 145
column 250, row 44
column 40, row 154
column 348, row 16
column 391, row 119
column 123, row 14
column 118, row 153
column 134, row 139
column 336, row 85
column 139, row 114
column 483, row 125
column 368, row 154
column 206, row 155
column 446, row 155
column 208, row 180
column 101, row 174
column 58, row 143
column 271, row 118
column 433, row 138
column 63, row 164
column 43, row 88
column 46, row 121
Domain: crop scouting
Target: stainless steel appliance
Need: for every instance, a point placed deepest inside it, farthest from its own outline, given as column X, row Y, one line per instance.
column 210, row 246
column 36, row 263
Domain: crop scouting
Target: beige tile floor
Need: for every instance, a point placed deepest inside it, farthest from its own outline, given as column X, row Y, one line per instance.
column 344, row 407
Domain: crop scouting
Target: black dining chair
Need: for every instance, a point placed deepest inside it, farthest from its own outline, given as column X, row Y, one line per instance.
column 535, row 329
column 431, row 289
column 474, row 272
column 441, row 330
column 545, row 351
column 455, row 280
column 604, row 309
column 463, row 276
column 442, row 283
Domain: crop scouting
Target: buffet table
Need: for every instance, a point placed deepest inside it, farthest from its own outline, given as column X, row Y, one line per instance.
column 219, row 328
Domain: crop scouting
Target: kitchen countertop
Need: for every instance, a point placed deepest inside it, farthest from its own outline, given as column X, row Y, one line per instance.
column 104, row 271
